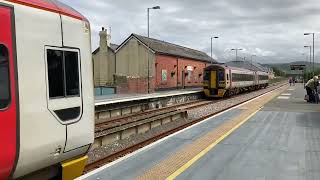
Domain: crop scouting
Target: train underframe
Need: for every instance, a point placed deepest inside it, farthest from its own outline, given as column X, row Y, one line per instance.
column 235, row 91
column 238, row 90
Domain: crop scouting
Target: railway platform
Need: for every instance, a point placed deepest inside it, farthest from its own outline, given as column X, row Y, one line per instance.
column 274, row 136
column 112, row 106
column 116, row 98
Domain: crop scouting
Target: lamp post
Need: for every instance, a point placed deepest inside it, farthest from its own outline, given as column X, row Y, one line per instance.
column 148, row 12
column 306, row 34
column 236, row 49
column 251, row 59
column 309, row 55
column 215, row 37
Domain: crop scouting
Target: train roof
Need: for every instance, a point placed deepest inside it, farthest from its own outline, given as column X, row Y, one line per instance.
column 52, row 6
column 247, row 65
column 223, row 65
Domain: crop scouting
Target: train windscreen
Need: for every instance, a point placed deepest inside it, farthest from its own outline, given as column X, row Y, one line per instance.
column 220, row 76
column 206, row 75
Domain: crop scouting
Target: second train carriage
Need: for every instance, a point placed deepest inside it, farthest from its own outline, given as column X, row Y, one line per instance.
column 221, row 80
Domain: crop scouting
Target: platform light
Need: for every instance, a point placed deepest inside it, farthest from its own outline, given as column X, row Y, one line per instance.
column 214, row 37
column 306, row 34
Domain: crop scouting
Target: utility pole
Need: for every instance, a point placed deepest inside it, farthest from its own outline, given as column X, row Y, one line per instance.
column 306, row 34
column 236, row 49
column 148, row 11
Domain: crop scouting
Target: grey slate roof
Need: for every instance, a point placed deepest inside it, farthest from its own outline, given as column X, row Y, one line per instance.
column 113, row 47
column 166, row 48
column 247, row 65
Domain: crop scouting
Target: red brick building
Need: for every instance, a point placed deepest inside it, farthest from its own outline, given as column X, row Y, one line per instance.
column 144, row 64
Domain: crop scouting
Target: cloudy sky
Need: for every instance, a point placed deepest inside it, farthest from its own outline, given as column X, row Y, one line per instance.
column 271, row 29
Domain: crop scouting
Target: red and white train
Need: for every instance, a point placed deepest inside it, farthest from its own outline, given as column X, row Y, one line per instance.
column 46, row 90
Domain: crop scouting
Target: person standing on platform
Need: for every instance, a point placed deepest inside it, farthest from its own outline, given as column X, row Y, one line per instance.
column 290, row 80
column 293, row 80
column 310, row 87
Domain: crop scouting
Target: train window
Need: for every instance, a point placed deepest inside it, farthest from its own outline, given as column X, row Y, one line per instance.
column 55, row 73
column 220, row 75
column 227, row 77
column 4, row 77
column 63, row 73
column 72, row 73
column 206, row 76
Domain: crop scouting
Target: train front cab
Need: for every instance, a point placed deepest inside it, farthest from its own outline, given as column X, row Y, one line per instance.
column 215, row 80
column 46, row 93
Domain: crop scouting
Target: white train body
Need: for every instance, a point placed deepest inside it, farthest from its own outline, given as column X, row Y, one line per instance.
column 51, row 53
column 221, row 80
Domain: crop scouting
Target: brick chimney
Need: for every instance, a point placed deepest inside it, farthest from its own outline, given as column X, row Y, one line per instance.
column 103, row 62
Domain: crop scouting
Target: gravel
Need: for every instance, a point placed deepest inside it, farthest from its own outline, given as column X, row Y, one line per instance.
column 103, row 151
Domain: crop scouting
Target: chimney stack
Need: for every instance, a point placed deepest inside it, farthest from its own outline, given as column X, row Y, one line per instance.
column 103, row 56
column 103, row 38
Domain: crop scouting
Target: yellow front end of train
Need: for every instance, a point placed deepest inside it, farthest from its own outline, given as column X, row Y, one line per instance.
column 214, row 82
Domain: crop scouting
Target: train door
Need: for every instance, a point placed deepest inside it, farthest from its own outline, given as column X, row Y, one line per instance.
column 8, row 93
column 64, row 85
column 80, row 133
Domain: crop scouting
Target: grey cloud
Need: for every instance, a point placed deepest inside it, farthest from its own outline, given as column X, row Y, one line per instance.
column 271, row 29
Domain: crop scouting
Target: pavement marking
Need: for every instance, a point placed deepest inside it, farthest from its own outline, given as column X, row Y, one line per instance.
column 286, row 94
column 291, row 89
column 211, row 146
column 283, row 97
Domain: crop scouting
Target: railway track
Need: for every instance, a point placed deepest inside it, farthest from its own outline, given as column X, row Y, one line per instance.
column 134, row 147
column 120, row 121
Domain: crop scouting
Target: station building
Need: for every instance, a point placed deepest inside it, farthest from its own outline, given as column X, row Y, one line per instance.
column 144, row 64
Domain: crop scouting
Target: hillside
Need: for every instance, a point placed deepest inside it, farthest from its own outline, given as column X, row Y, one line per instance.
column 285, row 67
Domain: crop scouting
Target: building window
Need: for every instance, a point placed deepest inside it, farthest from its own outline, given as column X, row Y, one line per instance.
column 63, row 73
column 4, row 77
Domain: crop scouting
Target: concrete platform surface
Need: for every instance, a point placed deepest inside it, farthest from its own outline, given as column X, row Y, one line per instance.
column 118, row 98
column 282, row 141
column 133, row 166
column 279, row 141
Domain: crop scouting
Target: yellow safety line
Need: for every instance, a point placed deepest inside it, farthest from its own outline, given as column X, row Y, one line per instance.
column 207, row 149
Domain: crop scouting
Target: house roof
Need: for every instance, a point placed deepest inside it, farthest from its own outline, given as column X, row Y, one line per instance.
column 112, row 47
column 166, row 48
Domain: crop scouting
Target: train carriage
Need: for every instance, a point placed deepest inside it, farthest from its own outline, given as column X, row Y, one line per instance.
column 222, row 81
column 46, row 91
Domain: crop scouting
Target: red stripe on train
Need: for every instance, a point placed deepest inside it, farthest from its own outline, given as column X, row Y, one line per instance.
column 8, row 116
column 47, row 6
